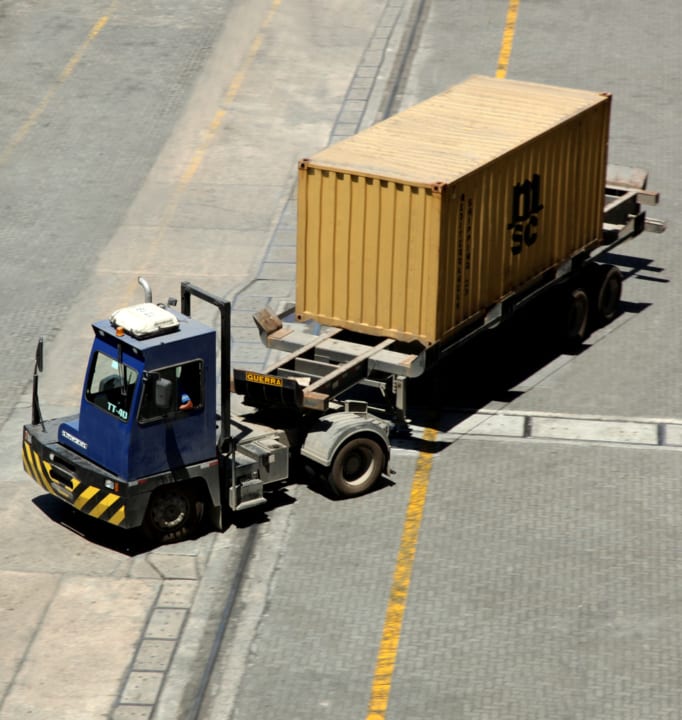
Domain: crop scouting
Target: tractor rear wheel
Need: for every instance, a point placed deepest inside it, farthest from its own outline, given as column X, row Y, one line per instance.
column 356, row 467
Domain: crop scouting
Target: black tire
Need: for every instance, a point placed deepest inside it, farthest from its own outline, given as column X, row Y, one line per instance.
column 608, row 290
column 357, row 465
column 173, row 514
column 577, row 316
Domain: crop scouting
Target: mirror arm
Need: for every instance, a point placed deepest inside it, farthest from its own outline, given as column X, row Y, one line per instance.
column 36, row 415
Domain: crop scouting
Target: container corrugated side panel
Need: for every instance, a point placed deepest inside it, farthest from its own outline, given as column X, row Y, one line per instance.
column 485, row 137
column 528, row 211
column 367, row 254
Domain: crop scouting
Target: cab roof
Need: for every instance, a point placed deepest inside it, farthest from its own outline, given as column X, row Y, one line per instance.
column 174, row 328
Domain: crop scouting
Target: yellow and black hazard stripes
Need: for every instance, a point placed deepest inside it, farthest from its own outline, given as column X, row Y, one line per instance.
column 36, row 468
column 97, row 502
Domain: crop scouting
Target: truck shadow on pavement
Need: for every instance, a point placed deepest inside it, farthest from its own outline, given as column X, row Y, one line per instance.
column 493, row 367
column 135, row 542
column 126, row 542
column 631, row 266
column 498, row 366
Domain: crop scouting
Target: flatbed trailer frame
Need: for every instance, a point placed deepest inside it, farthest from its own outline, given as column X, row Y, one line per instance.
column 332, row 434
column 317, row 368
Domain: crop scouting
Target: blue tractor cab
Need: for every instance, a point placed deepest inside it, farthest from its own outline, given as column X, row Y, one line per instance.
column 149, row 446
column 133, row 421
column 146, row 425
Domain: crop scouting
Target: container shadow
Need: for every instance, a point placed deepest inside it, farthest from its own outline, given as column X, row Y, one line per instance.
column 494, row 367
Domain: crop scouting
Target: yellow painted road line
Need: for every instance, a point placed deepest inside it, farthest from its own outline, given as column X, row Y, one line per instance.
column 507, row 38
column 20, row 135
column 388, row 649
column 229, row 97
column 390, row 638
column 208, row 136
column 235, row 86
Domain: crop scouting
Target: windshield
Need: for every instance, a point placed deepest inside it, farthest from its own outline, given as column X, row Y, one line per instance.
column 111, row 385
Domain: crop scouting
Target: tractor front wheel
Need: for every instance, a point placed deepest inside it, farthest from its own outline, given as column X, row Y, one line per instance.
column 172, row 514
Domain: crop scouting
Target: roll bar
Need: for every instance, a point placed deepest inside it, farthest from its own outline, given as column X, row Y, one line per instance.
column 187, row 289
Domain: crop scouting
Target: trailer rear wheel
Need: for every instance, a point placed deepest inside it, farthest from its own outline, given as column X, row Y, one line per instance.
column 577, row 314
column 608, row 289
column 172, row 514
column 356, row 467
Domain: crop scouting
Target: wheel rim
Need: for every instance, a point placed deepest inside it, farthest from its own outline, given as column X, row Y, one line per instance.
column 356, row 467
column 358, row 464
column 170, row 511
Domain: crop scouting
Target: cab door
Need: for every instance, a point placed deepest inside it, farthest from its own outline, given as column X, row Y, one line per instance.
column 179, row 434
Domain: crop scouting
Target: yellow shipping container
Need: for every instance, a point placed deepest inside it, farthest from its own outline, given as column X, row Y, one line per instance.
column 421, row 223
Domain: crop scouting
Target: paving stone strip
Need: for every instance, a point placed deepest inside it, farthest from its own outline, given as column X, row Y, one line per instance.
column 175, row 626
column 274, row 283
column 662, row 433
column 170, row 623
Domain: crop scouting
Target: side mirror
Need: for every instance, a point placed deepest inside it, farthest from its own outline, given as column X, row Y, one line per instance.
column 163, row 394
column 36, row 416
column 39, row 355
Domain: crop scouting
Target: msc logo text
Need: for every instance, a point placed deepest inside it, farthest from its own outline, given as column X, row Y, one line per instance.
column 526, row 207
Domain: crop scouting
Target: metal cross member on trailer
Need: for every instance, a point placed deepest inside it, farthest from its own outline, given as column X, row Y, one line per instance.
column 624, row 192
column 318, row 368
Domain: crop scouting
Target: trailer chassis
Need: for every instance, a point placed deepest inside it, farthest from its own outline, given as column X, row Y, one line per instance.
column 323, row 367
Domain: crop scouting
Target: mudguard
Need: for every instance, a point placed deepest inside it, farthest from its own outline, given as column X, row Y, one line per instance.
column 331, row 431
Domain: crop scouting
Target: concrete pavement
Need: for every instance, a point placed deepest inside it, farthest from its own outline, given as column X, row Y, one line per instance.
column 101, row 624
column 546, row 572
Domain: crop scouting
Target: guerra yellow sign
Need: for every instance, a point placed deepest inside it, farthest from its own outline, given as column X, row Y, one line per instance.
column 264, row 379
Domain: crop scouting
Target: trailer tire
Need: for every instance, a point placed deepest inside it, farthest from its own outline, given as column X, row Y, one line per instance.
column 356, row 466
column 173, row 514
column 577, row 316
column 608, row 290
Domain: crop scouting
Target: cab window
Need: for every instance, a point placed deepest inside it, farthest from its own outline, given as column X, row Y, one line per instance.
column 186, row 390
column 111, row 385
